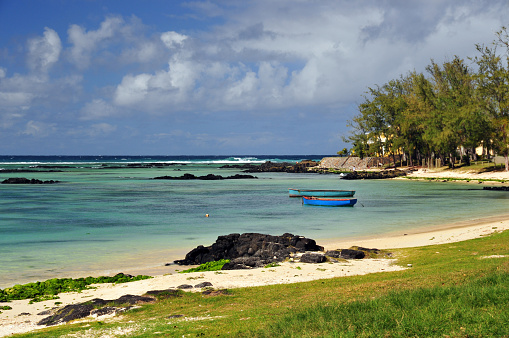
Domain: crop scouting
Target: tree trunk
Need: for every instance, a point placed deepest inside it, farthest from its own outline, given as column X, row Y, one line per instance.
column 506, row 158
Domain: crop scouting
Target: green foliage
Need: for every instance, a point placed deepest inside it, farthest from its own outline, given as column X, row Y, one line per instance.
column 40, row 291
column 209, row 266
column 432, row 117
column 5, row 307
column 474, row 309
column 272, row 265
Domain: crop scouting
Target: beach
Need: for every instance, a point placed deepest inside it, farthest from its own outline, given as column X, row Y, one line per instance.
column 471, row 175
column 23, row 316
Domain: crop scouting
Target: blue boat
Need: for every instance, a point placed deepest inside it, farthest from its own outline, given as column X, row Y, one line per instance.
column 329, row 202
column 321, row 193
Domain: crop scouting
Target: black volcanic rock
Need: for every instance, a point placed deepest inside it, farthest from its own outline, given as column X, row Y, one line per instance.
column 263, row 249
column 312, row 258
column 209, row 177
column 22, row 180
column 301, row 167
column 496, row 188
column 346, row 254
column 97, row 306
column 372, row 175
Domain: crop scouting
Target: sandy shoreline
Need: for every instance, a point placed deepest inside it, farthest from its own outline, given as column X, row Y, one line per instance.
column 23, row 316
column 460, row 174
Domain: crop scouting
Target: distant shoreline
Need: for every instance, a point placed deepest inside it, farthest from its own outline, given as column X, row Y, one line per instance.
column 461, row 174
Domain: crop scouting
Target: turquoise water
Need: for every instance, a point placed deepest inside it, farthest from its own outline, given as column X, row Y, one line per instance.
column 108, row 219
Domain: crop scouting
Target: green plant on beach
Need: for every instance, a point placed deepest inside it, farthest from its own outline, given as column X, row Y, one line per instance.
column 271, row 265
column 209, row 266
column 40, row 291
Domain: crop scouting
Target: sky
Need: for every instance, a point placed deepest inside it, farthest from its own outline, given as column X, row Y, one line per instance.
column 214, row 77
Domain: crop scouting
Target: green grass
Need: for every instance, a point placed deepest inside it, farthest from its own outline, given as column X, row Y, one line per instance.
column 477, row 308
column 451, row 290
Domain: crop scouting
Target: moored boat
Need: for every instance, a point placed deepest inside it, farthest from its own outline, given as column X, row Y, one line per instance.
column 329, row 202
column 321, row 193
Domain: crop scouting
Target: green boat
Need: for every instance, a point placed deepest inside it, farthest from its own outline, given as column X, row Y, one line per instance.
column 321, row 193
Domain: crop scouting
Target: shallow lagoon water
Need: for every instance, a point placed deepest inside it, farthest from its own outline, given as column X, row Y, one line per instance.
column 104, row 220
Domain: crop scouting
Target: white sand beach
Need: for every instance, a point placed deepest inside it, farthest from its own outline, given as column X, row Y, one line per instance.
column 460, row 174
column 23, row 316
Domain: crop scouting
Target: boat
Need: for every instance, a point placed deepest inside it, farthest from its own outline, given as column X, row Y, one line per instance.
column 321, row 193
column 329, row 202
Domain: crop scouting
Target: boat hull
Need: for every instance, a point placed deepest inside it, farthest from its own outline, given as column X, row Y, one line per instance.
column 320, row 193
column 329, row 202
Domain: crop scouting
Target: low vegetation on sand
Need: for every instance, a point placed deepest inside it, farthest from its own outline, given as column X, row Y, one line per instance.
column 49, row 289
column 450, row 290
column 209, row 266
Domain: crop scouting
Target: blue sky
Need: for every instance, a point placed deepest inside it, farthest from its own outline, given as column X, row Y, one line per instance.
column 213, row 77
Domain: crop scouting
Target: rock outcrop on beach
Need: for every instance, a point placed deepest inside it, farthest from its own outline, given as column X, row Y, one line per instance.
column 372, row 175
column 22, row 180
column 311, row 257
column 96, row 306
column 346, row 254
column 250, row 250
column 209, row 177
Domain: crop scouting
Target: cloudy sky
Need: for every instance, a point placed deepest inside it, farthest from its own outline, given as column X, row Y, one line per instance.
column 210, row 77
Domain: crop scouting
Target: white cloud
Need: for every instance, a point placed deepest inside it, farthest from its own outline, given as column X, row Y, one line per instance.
column 98, row 109
column 101, row 129
column 44, row 51
column 3, row 72
column 132, row 90
column 39, row 129
column 15, row 99
column 172, row 39
column 85, row 43
column 144, row 52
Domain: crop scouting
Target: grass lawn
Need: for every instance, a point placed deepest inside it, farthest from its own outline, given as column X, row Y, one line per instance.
column 451, row 290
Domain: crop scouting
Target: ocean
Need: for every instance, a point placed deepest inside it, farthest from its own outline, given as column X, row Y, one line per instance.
column 107, row 214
